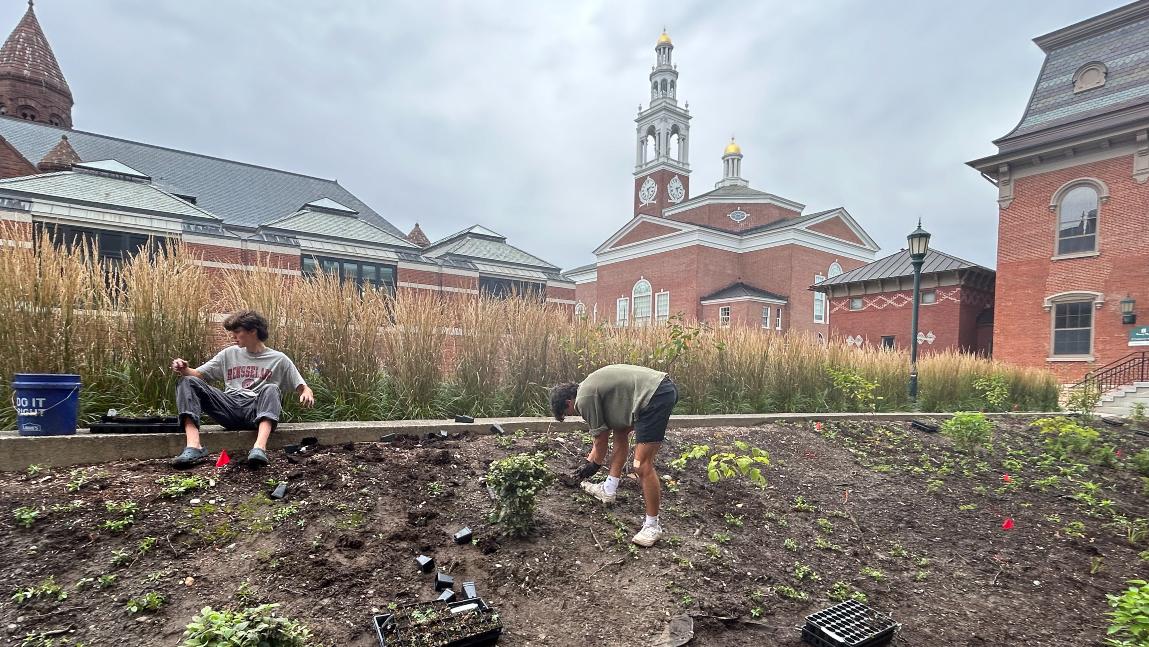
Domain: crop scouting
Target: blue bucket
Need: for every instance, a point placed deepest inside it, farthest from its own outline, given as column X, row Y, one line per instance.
column 46, row 404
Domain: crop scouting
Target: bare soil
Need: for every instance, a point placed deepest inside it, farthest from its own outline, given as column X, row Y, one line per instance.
column 878, row 509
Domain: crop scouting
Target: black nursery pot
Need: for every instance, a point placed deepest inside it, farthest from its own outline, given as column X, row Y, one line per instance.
column 463, row 536
column 462, row 418
column 469, row 623
column 444, row 581
column 426, row 564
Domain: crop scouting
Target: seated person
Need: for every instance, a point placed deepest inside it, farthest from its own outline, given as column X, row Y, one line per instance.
column 255, row 377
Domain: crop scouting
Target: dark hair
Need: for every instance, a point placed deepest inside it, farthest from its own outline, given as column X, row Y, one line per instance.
column 249, row 320
column 560, row 395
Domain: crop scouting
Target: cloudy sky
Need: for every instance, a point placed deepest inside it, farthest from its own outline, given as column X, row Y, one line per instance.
column 519, row 115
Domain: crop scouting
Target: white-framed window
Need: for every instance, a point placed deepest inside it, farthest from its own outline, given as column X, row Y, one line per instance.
column 856, row 303
column 662, row 307
column 819, row 302
column 622, row 311
column 724, row 316
column 778, row 318
column 834, row 270
column 929, row 296
column 580, row 310
column 1077, row 220
column 1073, row 328
column 640, row 296
column 765, row 316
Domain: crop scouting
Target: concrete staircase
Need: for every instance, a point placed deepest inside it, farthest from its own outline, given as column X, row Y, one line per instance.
column 1120, row 401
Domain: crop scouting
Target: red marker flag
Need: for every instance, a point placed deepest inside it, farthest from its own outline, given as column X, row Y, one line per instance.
column 1118, row 453
column 1006, row 478
column 1007, row 524
column 224, row 459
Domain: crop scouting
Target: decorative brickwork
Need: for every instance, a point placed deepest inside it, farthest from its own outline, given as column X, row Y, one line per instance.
column 31, row 83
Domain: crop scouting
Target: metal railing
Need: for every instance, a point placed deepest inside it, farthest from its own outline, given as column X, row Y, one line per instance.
column 1123, row 372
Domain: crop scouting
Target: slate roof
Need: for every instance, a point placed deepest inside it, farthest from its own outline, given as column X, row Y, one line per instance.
column 898, row 264
column 740, row 289
column 1124, row 49
column 88, row 188
column 331, row 225
column 26, row 54
column 480, row 243
column 733, row 191
column 242, row 194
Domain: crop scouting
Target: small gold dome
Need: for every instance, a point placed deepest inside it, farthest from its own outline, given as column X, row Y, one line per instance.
column 664, row 38
column 732, row 148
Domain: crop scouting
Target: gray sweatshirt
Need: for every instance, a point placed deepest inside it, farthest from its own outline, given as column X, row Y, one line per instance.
column 246, row 373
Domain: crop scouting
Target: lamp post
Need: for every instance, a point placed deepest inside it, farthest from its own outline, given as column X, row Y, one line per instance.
column 919, row 242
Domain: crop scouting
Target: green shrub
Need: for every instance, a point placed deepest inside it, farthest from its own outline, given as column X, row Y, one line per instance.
column 1129, row 620
column 1084, row 400
column 969, row 431
column 993, row 391
column 1067, row 440
column 858, row 392
column 1140, row 462
column 1136, row 413
column 517, row 480
column 742, row 459
column 251, row 627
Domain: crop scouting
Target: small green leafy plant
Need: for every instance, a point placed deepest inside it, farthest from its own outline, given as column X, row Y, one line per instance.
column 177, row 485
column 26, row 516
column 1065, row 439
column 46, row 589
column 517, row 480
column 969, row 431
column 1129, row 619
column 150, row 601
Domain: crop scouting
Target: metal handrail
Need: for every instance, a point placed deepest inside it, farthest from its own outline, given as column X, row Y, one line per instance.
column 1125, row 371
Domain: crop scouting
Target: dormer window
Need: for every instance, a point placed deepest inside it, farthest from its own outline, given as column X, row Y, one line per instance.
column 1089, row 76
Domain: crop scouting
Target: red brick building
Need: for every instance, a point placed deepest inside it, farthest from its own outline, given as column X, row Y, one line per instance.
column 733, row 255
column 872, row 305
column 120, row 194
column 1073, row 239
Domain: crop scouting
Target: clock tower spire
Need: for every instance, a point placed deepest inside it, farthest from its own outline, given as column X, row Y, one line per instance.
column 662, row 168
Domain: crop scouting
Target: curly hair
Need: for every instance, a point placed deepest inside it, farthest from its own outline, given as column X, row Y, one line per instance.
column 249, row 320
column 560, row 395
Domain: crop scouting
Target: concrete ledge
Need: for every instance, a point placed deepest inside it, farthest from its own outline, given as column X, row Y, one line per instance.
column 18, row 452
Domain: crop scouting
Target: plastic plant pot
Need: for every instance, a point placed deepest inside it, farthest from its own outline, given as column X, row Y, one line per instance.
column 923, row 426
column 849, row 624
column 469, row 591
column 466, row 623
column 447, row 595
column 280, row 490
column 462, row 418
column 444, row 582
column 426, row 564
column 463, row 536
column 497, row 429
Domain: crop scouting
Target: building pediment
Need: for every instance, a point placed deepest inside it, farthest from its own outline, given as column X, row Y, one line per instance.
column 641, row 229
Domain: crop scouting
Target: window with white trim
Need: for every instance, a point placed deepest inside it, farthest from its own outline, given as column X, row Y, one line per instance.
column 766, row 316
column 580, row 310
column 621, row 311
column 778, row 318
column 662, row 307
column 640, row 296
column 834, row 270
column 856, row 303
column 819, row 302
column 1073, row 328
column 929, row 296
column 724, row 316
column 1077, row 220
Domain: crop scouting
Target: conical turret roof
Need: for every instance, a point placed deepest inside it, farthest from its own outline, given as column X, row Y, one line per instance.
column 60, row 158
column 26, row 54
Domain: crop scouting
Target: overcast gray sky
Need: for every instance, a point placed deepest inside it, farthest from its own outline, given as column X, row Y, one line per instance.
column 519, row 115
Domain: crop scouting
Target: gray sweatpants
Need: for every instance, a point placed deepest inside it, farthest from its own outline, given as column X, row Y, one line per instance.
column 194, row 397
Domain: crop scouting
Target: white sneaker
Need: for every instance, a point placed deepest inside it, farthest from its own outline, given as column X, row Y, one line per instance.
column 598, row 491
column 648, row 536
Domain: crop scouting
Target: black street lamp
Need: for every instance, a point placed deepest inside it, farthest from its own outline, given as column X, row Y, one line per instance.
column 919, row 240
column 1127, row 314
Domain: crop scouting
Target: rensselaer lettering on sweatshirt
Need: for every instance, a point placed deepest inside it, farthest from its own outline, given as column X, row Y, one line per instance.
column 246, row 372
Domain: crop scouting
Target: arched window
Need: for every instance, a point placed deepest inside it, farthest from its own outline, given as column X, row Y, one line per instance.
column 55, row 120
column 28, row 112
column 580, row 310
column 1077, row 220
column 834, row 270
column 640, row 301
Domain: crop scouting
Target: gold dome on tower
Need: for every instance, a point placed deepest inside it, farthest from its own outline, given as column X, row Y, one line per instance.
column 664, row 38
column 732, row 148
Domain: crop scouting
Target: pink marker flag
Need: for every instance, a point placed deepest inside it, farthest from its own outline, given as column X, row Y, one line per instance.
column 1006, row 478
column 1007, row 524
column 224, row 459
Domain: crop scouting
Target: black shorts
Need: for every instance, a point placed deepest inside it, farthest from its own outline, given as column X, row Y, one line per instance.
column 650, row 425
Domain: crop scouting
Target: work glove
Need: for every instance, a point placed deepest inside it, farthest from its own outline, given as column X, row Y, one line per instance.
column 588, row 469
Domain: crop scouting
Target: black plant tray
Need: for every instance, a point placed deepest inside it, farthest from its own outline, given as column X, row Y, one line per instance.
column 125, row 425
column 390, row 627
column 849, row 624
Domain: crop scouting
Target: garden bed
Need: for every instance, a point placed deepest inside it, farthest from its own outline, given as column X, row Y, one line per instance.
column 873, row 511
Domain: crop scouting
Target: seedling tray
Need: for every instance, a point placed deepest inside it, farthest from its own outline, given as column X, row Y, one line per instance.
column 469, row 623
column 849, row 624
column 125, row 425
